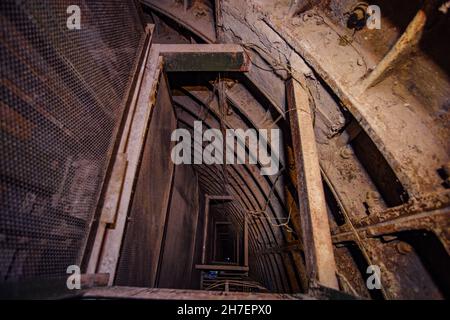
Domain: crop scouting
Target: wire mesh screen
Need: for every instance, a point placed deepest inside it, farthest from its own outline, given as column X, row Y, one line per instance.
column 62, row 96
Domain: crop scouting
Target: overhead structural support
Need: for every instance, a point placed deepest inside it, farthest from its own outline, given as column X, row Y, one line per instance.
column 320, row 263
column 204, row 57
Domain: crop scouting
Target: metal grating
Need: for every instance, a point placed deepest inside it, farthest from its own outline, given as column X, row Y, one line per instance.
column 62, row 95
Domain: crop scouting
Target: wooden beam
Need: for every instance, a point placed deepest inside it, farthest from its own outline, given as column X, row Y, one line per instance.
column 320, row 261
column 295, row 245
column 179, row 294
column 109, row 209
column 132, row 144
column 245, row 240
column 409, row 39
column 220, row 267
column 205, row 229
column 204, row 57
column 116, row 188
column 90, row 280
column 221, row 198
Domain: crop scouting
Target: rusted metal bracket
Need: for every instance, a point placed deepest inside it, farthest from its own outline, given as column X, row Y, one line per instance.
column 436, row 221
column 430, row 212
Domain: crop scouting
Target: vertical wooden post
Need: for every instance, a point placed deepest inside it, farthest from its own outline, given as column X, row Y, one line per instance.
column 320, row 263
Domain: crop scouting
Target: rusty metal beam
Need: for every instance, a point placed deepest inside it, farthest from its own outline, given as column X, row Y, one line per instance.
column 204, row 57
column 426, row 203
column 430, row 212
column 436, row 221
column 320, row 261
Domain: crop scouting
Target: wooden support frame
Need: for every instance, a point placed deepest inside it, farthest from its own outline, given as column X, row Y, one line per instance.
column 320, row 263
column 104, row 256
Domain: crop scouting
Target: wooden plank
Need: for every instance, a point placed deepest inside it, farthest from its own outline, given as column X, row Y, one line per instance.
column 221, row 198
column 110, row 207
column 409, row 39
column 132, row 144
column 319, row 255
column 204, row 57
column 120, row 179
column 114, row 189
column 220, row 267
column 245, row 241
column 205, row 229
column 174, row 294
column 89, row 280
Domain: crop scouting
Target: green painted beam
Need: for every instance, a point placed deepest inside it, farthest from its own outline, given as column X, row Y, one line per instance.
column 204, row 57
